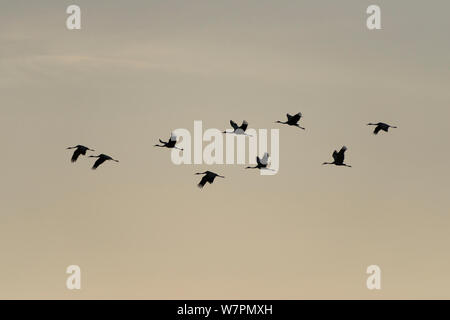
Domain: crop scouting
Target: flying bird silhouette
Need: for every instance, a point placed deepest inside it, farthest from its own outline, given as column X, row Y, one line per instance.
column 239, row 129
column 209, row 177
column 169, row 144
column 338, row 158
column 101, row 158
column 79, row 150
column 380, row 126
column 262, row 163
column 292, row 120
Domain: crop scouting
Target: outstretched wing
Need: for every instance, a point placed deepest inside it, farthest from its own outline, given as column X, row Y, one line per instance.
column 297, row 117
column 98, row 162
column 258, row 161
column 342, row 151
column 340, row 155
column 265, row 158
column 288, row 116
column 76, row 154
column 335, row 155
column 377, row 129
column 202, row 182
column 173, row 137
column 234, row 124
column 244, row 125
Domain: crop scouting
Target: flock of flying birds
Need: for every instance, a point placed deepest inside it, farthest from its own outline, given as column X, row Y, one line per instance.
column 262, row 163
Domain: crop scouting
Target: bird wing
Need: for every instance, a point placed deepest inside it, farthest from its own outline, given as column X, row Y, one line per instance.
column 340, row 155
column 244, row 125
column 258, row 160
column 76, row 154
column 234, row 124
column 377, row 129
column 98, row 162
column 202, row 182
column 173, row 137
column 343, row 149
column 265, row 158
column 335, row 155
column 297, row 117
column 288, row 116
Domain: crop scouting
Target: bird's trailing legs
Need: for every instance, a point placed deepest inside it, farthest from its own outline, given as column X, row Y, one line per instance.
column 295, row 125
column 238, row 134
column 343, row 165
column 256, row 167
column 164, row 146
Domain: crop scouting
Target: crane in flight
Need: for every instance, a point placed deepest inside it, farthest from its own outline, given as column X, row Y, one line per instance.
column 339, row 158
column 292, row 120
column 101, row 158
column 261, row 163
column 380, row 126
column 169, row 144
column 79, row 150
column 239, row 129
column 208, row 177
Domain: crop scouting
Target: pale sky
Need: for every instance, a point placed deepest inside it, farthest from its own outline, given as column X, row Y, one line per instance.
column 142, row 229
